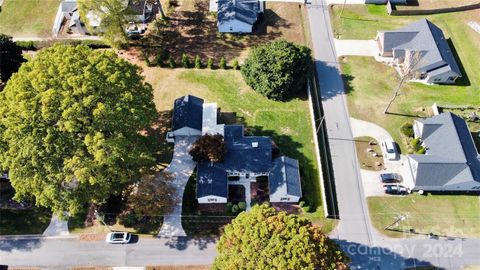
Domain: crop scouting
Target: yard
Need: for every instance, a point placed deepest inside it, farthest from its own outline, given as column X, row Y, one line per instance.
column 366, row 154
column 288, row 123
column 28, row 18
column 449, row 215
column 192, row 29
column 369, row 89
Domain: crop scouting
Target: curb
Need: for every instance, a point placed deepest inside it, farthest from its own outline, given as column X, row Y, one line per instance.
column 36, row 236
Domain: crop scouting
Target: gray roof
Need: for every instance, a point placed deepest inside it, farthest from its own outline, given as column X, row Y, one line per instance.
column 187, row 112
column 425, row 37
column 241, row 155
column 451, row 155
column 242, row 10
column 68, row 6
column 211, row 180
column 284, row 178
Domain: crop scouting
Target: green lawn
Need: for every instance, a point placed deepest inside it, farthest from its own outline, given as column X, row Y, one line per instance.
column 371, row 88
column 30, row 221
column 448, row 215
column 288, row 123
column 26, row 18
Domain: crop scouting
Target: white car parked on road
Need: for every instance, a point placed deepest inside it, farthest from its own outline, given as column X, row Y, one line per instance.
column 118, row 238
column 389, row 150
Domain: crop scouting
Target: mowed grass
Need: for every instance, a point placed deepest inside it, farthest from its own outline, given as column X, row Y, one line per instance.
column 370, row 84
column 28, row 18
column 445, row 215
column 288, row 123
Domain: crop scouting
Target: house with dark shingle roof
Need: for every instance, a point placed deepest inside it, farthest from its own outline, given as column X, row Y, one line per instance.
column 422, row 48
column 451, row 161
column 247, row 157
column 238, row 16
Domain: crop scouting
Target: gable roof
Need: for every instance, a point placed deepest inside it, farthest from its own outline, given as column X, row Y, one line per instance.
column 246, row 153
column 211, row 180
column 242, row 10
column 451, row 155
column 135, row 7
column 422, row 36
column 187, row 112
column 284, row 178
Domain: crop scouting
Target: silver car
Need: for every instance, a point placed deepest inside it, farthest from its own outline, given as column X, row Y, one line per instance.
column 118, row 237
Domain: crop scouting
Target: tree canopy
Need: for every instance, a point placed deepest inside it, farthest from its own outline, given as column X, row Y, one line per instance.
column 209, row 147
column 265, row 239
column 113, row 15
column 278, row 69
column 10, row 57
column 71, row 119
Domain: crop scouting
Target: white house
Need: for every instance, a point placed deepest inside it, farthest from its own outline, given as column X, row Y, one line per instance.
column 238, row 16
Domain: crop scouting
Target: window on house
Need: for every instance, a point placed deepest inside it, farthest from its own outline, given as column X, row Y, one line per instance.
column 437, row 79
column 452, row 78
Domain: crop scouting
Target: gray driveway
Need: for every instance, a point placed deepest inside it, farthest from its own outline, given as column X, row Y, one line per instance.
column 345, row 47
column 181, row 167
column 57, row 227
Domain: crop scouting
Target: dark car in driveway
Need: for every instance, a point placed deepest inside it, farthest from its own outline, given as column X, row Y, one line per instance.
column 395, row 189
column 390, row 178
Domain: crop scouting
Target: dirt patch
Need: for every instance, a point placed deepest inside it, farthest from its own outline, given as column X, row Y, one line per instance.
column 192, row 29
column 369, row 153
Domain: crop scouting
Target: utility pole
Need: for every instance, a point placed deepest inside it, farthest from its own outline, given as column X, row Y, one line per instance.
column 101, row 220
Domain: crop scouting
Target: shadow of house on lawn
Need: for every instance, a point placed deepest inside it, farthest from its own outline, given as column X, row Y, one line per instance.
column 464, row 80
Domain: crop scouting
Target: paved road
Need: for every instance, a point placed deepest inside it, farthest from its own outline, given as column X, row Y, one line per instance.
column 68, row 252
column 353, row 212
column 366, row 246
column 181, row 167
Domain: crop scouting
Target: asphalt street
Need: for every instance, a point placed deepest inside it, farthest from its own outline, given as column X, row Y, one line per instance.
column 62, row 253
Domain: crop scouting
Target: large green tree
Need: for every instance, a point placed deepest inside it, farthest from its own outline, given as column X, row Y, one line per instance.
column 278, row 70
column 266, row 239
column 10, row 57
column 113, row 15
column 71, row 119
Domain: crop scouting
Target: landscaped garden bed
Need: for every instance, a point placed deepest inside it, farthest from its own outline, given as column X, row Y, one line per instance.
column 369, row 153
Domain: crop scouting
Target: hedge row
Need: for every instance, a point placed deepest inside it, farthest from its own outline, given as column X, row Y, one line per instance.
column 165, row 59
column 37, row 45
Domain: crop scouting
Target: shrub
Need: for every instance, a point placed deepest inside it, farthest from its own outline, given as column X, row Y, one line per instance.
column 407, row 129
column 416, row 143
column 159, row 60
column 278, row 69
column 242, row 206
column 171, row 62
column 235, row 209
column 223, row 63
column 235, row 64
column 198, row 62
column 421, row 151
column 27, row 45
column 306, row 209
column 210, row 63
column 185, row 61
column 301, row 204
